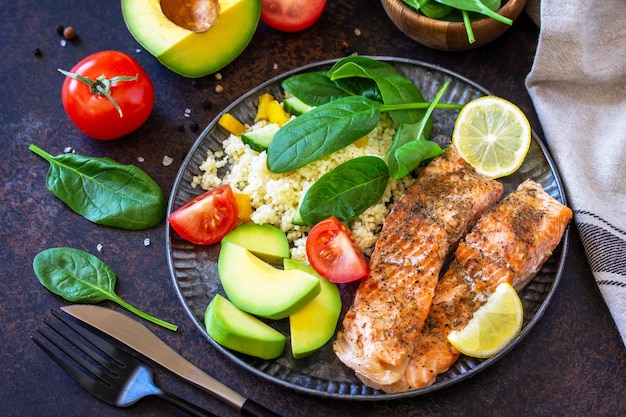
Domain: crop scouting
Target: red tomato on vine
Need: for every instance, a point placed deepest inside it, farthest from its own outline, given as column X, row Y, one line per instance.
column 107, row 95
column 291, row 15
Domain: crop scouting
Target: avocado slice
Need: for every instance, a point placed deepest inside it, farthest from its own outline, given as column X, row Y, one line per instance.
column 264, row 240
column 188, row 53
column 240, row 331
column 314, row 324
column 260, row 289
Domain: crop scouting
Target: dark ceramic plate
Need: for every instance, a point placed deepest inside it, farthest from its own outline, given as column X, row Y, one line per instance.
column 194, row 268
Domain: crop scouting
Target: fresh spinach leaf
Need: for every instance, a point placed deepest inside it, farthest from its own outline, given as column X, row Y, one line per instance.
column 360, row 86
column 430, row 8
column 477, row 6
column 394, row 87
column 405, row 133
column 410, row 145
column 105, row 191
column 346, row 191
column 80, row 277
column 321, row 131
column 313, row 88
column 410, row 155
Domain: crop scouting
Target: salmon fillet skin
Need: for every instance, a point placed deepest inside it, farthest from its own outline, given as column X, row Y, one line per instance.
column 509, row 243
column 422, row 230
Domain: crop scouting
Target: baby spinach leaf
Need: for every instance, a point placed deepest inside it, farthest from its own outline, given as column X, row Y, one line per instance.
column 410, row 144
column 313, row 88
column 407, row 132
column 105, row 191
column 80, row 277
column 430, row 8
column 410, row 155
column 394, row 87
column 360, row 86
column 478, row 6
column 346, row 191
column 321, row 131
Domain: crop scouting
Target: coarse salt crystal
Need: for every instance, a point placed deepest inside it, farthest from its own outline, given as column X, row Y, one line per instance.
column 167, row 161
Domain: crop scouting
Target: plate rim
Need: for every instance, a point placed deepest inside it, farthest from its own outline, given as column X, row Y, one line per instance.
column 377, row 395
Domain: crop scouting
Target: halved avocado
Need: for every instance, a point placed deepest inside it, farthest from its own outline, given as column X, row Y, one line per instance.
column 188, row 53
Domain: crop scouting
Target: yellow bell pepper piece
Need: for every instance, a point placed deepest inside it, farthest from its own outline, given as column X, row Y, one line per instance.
column 276, row 114
column 261, row 113
column 234, row 126
column 361, row 143
column 244, row 207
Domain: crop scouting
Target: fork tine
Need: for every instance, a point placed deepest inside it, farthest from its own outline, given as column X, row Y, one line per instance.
column 68, row 334
column 68, row 362
column 101, row 344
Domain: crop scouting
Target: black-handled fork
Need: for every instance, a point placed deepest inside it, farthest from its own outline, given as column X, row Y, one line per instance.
column 107, row 372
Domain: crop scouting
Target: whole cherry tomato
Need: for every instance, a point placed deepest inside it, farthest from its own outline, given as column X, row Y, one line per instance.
column 332, row 251
column 291, row 15
column 107, row 95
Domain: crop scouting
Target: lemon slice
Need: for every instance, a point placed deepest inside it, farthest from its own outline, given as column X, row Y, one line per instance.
column 493, row 135
column 493, row 326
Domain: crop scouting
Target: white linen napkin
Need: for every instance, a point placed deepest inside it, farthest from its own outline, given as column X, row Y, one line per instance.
column 578, row 87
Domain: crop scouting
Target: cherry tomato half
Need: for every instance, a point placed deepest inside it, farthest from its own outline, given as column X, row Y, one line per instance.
column 332, row 251
column 291, row 15
column 207, row 218
column 95, row 114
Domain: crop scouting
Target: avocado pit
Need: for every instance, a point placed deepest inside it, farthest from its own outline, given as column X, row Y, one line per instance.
column 195, row 15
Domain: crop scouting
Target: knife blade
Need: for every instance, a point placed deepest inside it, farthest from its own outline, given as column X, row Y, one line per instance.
column 138, row 337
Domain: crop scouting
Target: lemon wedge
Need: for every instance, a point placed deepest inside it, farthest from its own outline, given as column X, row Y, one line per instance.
column 493, row 326
column 493, row 135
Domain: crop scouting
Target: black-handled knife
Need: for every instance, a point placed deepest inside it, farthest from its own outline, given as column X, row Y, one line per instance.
column 138, row 337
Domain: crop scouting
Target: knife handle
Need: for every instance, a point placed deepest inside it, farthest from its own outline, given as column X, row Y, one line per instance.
column 254, row 409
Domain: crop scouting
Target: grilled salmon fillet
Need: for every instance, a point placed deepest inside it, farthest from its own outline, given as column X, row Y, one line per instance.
column 509, row 243
column 423, row 228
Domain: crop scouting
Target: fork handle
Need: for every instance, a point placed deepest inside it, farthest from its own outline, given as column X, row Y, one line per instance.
column 184, row 405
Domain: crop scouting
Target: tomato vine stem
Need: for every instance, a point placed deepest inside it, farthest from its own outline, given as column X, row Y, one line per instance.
column 101, row 85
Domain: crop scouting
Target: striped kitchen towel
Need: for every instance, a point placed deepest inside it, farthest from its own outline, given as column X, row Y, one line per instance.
column 578, row 87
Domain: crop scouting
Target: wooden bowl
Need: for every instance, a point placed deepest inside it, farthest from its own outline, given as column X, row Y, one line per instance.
column 449, row 36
